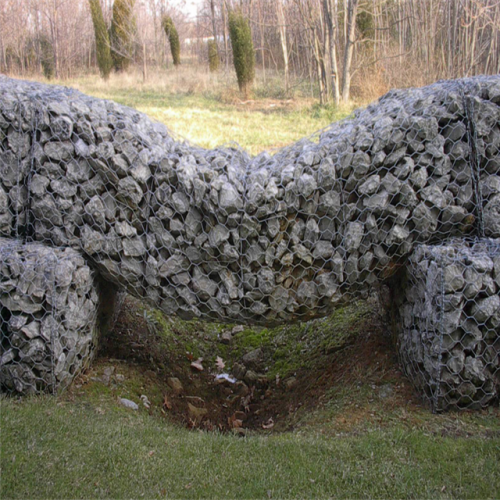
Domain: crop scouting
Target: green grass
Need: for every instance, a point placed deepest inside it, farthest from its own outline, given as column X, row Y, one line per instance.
column 283, row 346
column 204, row 118
column 83, row 451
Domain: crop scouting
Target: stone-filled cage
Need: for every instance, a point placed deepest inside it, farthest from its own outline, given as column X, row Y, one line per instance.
column 49, row 303
column 449, row 342
column 93, row 192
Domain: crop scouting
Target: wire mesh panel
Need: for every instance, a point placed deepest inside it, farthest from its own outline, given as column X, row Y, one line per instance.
column 449, row 344
column 222, row 236
column 48, row 308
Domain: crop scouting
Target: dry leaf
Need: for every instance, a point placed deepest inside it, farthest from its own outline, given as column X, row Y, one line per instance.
column 234, row 422
column 166, row 403
column 219, row 363
column 196, row 365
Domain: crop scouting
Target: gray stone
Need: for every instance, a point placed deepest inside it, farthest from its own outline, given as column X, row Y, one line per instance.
column 370, row 186
column 59, row 151
column 306, row 185
column 203, row 286
column 252, row 358
column 218, row 235
column 180, row 202
column 134, row 247
column 353, row 236
column 229, row 199
column 130, row 192
column 323, row 250
column 174, row 265
column 484, row 309
column 265, row 280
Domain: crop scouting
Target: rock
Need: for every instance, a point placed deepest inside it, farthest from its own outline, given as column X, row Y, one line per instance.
column 370, row 186
column 353, row 236
column 31, row 330
column 251, row 377
column 453, row 278
column 127, row 403
column 180, row 202
column 218, row 235
column 252, row 358
column 229, row 199
column 174, row 265
column 265, row 280
column 306, row 185
column 483, row 309
column 492, row 217
column 226, row 337
column 59, row 151
column 239, row 371
column 130, row 192
column 204, row 287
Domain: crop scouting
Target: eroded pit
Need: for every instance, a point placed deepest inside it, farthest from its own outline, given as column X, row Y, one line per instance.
column 251, row 378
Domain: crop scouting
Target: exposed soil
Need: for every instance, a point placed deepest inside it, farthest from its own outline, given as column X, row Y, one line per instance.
column 359, row 378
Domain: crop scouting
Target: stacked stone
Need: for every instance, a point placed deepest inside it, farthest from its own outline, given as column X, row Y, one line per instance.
column 449, row 343
column 218, row 235
column 15, row 139
column 48, row 306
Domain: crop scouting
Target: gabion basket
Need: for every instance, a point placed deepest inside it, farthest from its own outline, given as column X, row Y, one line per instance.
column 218, row 235
column 449, row 343
column 49, row 304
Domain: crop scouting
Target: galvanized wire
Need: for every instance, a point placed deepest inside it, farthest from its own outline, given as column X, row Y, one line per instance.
column 222, row 236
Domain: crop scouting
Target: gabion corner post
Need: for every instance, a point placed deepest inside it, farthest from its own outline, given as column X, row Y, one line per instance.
column 449, row 343
column 48, row 308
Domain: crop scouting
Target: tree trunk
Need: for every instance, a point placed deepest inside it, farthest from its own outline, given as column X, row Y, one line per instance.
column 55, row 39
column 214, row 25
column 349, row 48
column 262, row 41
column 224, row 31
column 331, row 24
column 284, row 46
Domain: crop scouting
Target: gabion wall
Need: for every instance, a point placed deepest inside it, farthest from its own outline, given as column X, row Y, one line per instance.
column 449, row 343
column 219, row 235
column 48, row 308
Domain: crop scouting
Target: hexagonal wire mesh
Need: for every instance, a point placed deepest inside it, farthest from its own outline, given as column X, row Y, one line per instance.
column 222, row 236
column 49, row 316
column 449, row 343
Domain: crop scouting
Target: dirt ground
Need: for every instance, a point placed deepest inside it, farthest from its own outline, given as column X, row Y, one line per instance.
column 351, row 383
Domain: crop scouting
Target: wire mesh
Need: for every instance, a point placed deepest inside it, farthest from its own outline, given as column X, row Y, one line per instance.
column 449, row 343
column 48, row 307
column 222, row 236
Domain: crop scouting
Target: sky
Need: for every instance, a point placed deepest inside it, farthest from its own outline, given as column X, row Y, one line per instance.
column 191, row 6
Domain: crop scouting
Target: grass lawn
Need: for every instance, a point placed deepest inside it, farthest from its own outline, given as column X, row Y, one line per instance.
column 330, row 414
column 211, row 117
column 79, row 450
